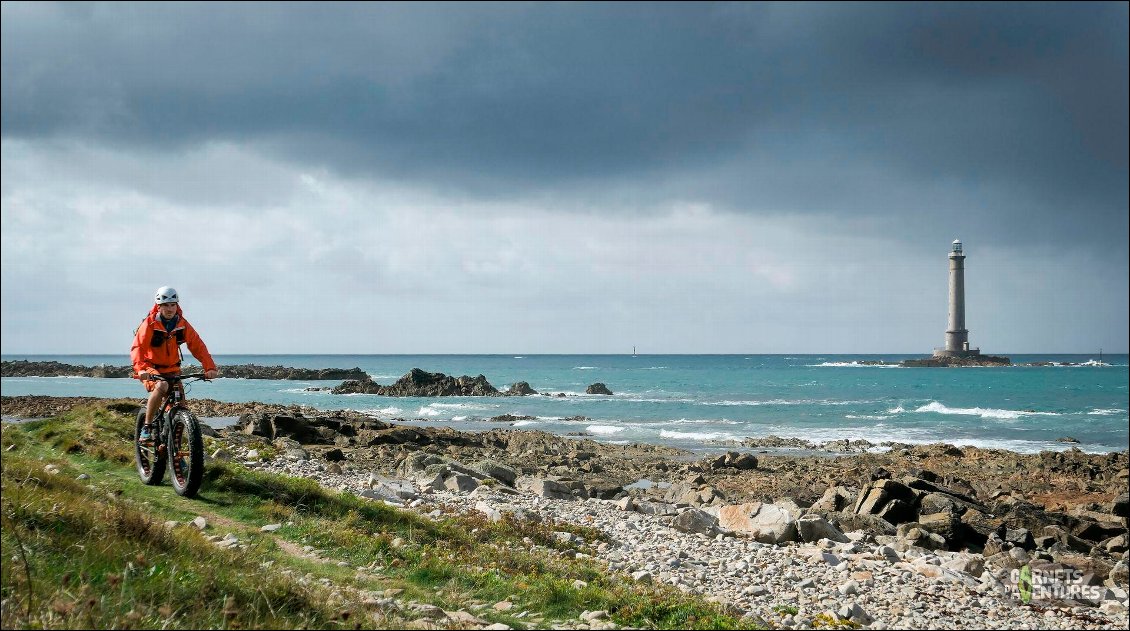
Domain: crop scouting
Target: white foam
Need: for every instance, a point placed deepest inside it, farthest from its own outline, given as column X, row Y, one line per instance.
column 666, row 433
column 853, row 364
column 1105, row 412
column 916, row 436
column 604, row 430
column 1009, row 415
column 700, row 421
column 523, row 423
column 459, row 418
column 584, row 368
column 459, row 406
column 428, row 410
column 867, row 417
column 783, row 402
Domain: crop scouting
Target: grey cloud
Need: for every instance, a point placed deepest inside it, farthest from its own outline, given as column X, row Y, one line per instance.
column 1010, row 120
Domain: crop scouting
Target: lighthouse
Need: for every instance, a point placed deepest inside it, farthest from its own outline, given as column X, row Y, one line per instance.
column 956, row 352
column 957, row 336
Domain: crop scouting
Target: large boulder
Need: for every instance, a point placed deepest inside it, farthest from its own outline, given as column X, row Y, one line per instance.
column 835, row 499
column 298, row 428
column 550, row 489
column 944, row 524
column 597, row 388
column 694, row 520
column 1120, row 507
column 812, row 528
column 499, row 472
column 767, row 523
column 889, row 499
column 398, row 436
column 849, row 522
column 734, row 460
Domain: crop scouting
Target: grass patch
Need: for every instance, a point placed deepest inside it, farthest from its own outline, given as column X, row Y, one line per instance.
column 97, row 552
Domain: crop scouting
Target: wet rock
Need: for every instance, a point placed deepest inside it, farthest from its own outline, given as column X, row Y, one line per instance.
column 598, row 388
column 734, row 460
column 520, row 389
column 420, row 383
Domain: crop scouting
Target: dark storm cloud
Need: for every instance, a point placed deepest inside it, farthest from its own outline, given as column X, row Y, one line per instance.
column 1008, row 119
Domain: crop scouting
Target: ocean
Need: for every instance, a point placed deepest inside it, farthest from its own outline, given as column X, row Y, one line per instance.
column 707, row 402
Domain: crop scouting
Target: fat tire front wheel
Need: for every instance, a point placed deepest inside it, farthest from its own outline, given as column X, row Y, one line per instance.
column 186, row 454
column 150, row 463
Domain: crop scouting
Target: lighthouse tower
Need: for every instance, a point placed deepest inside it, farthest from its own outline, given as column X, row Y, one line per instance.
column 957, row 336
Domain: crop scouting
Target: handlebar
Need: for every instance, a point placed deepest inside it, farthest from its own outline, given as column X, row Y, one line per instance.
column 176, row 378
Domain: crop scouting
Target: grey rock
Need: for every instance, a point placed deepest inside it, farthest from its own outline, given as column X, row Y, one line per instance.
column 767, row 523
column 499, row 472
column 550, row 489
column 835, row 499
column 695, row 521
column 461, row 483
column 812, row 528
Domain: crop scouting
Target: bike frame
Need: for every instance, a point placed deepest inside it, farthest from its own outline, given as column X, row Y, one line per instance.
column 174, row 400
column 175, row 440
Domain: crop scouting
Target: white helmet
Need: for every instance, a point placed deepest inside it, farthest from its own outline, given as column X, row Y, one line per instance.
column 166, row 295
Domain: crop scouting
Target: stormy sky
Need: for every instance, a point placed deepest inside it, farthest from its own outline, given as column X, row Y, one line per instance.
column 565, row 178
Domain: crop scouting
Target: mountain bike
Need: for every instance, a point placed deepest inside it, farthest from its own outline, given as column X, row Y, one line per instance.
column 175, row 441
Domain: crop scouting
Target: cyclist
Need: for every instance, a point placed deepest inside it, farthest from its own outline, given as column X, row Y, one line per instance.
column 156, row 350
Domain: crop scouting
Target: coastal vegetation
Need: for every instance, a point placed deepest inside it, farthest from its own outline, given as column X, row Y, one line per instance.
column 87, row 545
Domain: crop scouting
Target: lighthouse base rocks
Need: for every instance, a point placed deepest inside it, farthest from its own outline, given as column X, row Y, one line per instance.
column 946, row 359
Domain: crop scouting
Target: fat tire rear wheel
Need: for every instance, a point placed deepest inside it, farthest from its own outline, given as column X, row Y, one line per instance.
column 186, row 453
column 150, row 464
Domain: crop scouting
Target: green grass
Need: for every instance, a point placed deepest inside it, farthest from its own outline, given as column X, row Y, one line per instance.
column 97, row 553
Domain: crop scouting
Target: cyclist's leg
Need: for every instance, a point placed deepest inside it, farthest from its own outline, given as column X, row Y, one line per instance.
column 156, row 397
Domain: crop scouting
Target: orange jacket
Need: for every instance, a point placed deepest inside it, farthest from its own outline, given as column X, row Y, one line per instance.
column 155, row 349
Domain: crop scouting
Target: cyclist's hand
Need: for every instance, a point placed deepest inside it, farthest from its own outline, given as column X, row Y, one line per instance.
column 211, row 374
column 150, row 376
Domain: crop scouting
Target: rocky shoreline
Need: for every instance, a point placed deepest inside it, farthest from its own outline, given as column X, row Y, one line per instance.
column 924, row 537
column 937, row 517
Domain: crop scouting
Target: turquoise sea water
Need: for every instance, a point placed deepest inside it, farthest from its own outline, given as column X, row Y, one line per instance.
column 702, row 401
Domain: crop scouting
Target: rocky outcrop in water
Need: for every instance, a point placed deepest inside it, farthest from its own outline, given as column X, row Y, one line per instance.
column 24, row 368
column 956, row 362
column 420, row 383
